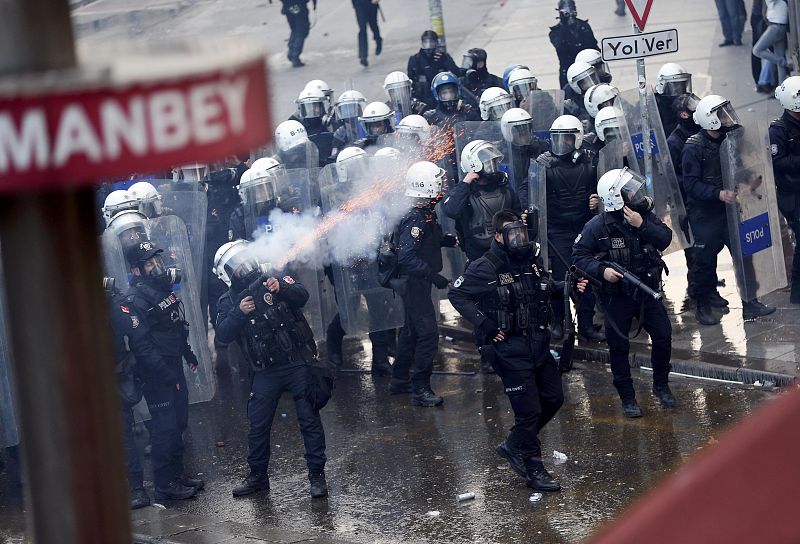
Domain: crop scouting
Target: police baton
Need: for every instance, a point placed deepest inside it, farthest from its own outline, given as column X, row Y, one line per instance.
column 380, row 11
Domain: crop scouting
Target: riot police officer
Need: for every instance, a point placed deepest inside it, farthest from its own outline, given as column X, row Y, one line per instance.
column 294, row 148
column 672, row 81
column 311, row 107
column 367, row 14
column 419, row 257
column 570, row 36
column 477, row 77
column 424, row 65
column 378, row 122
column 505, row 294
column 162, row 320
column 516, row 125
column 581, row 76
column 257, row 189
column 706, row 200
column 264, row 315
column 571, row 189
column 521, row 83
column 296, row 12
column 784, row 135
column 398, row 91
column 630, row 235
column 349, row 107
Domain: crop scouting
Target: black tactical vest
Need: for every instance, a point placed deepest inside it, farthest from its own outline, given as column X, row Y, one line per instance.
column 484, row 205
column 276, row 334
column 569, row 187
column 711, row 165
column 792, row 148
column 521, row 302
column 622, row 246
column 165, row 318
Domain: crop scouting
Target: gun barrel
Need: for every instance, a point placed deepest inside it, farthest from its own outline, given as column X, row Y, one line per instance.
column 632, row 279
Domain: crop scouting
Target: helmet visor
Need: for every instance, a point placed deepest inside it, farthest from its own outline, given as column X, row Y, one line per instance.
column 353, row 169
column 263, row 191
column 677, row 85
column 587, row 79
column 312, row 109
column 240, row 265
column 611, row 134
column 515, row 236
column 562, row 143
column 521, row 134
column 349, row 110
column 523, row 88
column 150, row 207
column 727, row 116
column 468, row 62
column 496, row 110
column 447, row 92
column 633, row 192
column 490, row 158
column 607, row 103
column 400, row 97
column 376, row 128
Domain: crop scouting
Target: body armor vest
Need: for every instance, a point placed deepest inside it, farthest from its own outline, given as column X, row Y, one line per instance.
column 622, row 246
column 276, row 334
column 484, row 205
column 521, row 302
column 568, row 189
column 792, row 148
column 711, row 165
column 166, row 319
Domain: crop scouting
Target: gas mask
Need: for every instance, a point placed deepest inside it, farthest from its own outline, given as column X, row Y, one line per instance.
column 515, row 239
column 429, row 46
column 163, row 276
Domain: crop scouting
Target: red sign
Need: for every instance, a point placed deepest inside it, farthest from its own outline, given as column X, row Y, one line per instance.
column 640, row 9
column 108, row 129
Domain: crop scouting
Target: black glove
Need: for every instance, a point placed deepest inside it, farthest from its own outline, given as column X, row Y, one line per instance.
column 439, row 281
column 449, row 240
column 487, row 331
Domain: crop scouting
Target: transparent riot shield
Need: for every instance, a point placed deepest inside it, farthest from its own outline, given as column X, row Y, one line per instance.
column 292, row 216
column 664, row 187
column 537, row 206
column 454, row 260
column 544, row 107
column 305, row 155
column 169, row 233
column 753, row 221
column 358, row 213
column 191, row 207
column 9, row 430
column 489, row 131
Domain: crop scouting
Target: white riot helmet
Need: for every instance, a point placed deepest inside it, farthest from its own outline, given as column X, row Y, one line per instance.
column 516, row 125
column 234, row 259
column 148, row 200
column 378, row 119
column 607, row 124
column 326, row 90
column 593, row 57
column 196, row 171
column 290, row 134
column 621, row 187
column 350, row 105
column 673, row 80
column 259, row 181
column 788, row 93
column 581, row 76
column 414, row 125
column 424, row 180
column 116, row 202
column 311, row 103
column 398, row 89
column 351, row 163
column 599, row 97
column 387, row 152
column 566, row 135
column 480, row 156
column 715, row 112
column 494, row 103
column 521, row 82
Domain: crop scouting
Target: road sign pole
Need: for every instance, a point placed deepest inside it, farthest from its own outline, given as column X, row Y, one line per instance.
column 66, row 390
column 437, row 21
column 647, row 148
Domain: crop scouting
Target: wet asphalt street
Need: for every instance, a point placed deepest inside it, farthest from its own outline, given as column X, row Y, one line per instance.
column 392, row 465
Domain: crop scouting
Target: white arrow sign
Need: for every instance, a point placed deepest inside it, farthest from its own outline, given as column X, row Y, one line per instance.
column 639, row 46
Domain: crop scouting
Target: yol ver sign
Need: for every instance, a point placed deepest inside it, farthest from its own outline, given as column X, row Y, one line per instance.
column 102, row 127
column 640, row 45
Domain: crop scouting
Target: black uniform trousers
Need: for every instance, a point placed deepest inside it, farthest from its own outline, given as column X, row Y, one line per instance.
column 562, row 240
column 418, row 341
column 710, row 229
column 621, row 309
column 134, row 464
column 265, row 393
column 366, row 14
column 299, row 26
column 533, row 387
column 789, row 206
column 169, row 408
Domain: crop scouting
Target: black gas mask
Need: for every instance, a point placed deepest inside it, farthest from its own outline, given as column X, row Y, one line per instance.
column 161, row 275
column 515, row 239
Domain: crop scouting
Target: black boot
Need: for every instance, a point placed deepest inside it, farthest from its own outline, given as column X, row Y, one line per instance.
column 139, row 498
column 380, row 361
column 704, row 314
column 319, row 487
column 426, row 397
column 378, row 46
column 252, row 484
column 175, row 491
column 716, row 300
column 754, row 309
column 513, row 457
column 538, row 477
column 630, row 409
column 665, row 395
column 193, row 482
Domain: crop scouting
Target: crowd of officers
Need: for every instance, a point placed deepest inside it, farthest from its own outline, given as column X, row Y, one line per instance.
column 600, row 234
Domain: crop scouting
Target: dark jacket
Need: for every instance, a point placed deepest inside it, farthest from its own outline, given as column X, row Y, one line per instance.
column 423, row 68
